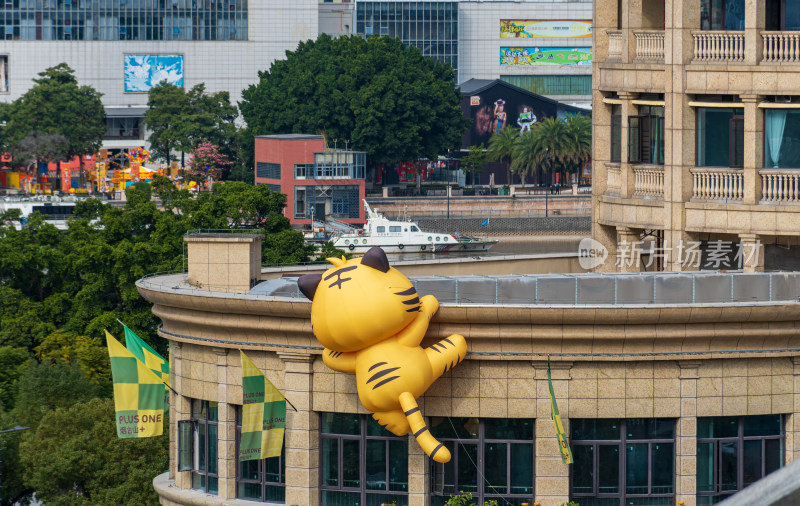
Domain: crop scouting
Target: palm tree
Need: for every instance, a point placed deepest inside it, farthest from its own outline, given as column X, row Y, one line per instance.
column 579, row 131
column 528, row 153
column 501, row 147
column 551, row 137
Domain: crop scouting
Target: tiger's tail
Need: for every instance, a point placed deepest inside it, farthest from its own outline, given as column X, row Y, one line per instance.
column 430, row 445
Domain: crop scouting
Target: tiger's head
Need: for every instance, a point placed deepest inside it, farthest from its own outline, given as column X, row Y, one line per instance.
column 359, row 302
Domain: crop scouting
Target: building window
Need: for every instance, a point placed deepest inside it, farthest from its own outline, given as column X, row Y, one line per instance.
column 3, row 73
column 303, row 170
column 552, row 84
column 783, row 15
column 492, row 458
column 616, row 133
column 623, row 461
column 733, row 452
column 646, row 136
column 720, row 137
column 268, row 170
column 197, row 446
column 122, row 128
column 782, row 139
column 263, row 479
column 722, row 14
column 361, row 462
column 300, row 202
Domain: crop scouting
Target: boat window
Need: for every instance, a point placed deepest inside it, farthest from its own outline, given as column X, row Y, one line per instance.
column 414, row 229
column 394, row 228
column 438, row 238
column 406, row 230
column 347, row 241
column 364, row 241
column 445, row 238
column 381, row 230
column 430, row 238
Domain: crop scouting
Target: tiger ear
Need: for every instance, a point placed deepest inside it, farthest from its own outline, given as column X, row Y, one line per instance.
column 376, row 258
column 308, row 284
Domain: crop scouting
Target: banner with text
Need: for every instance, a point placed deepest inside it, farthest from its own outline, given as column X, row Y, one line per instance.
column 263, row 414
column 545, row 29
column 545, row 56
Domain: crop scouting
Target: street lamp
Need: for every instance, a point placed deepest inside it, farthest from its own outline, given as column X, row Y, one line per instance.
column 15, row 429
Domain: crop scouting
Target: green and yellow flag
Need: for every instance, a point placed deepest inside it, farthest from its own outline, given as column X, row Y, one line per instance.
column 138, row 394
column 146, row 354
column 263, row 415
column 563, row 446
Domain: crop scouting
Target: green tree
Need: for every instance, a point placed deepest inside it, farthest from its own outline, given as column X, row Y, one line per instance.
column 74, row 457
column 551, row 136
column 57, row 105
column 579, row 132
column 373, row 94
column 180, row 119
column 501, row 148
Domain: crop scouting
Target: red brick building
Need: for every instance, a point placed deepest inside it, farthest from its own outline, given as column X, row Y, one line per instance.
column 325, row 183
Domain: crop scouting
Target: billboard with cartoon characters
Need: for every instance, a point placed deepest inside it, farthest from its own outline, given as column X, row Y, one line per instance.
column 545, row 56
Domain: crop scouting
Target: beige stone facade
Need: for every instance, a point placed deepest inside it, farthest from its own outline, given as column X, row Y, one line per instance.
column 662, row 54
column 680, row 362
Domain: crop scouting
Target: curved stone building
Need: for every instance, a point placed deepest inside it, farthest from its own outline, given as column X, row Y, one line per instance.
column 674, row 388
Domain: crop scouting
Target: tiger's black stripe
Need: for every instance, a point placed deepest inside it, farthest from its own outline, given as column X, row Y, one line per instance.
column 423, row 429
column 382, row 373
column 343, row 269
column 412, row 411
column 436, row 450
column 409, row 302
column 410, row 291
column 449, row 341
column 412, row 309
column 376, row 365
column 383, row 382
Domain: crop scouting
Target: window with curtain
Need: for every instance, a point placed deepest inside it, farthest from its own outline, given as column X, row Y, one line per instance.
column 734, row 452
column 781, row 139
column 262, row 480
column 197, row 446
column 720, row 137
column 646, row 136
column 722, row 15
column 782, row 15
column 361, row 462
column 492, row 458
column 628, row 461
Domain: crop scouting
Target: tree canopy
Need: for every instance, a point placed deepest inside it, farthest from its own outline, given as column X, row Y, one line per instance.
column 375, row 94
column 181, row 119
column 59, row 117
column 58, row 291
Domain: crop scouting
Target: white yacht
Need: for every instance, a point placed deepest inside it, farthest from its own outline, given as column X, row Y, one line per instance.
column 403, row 236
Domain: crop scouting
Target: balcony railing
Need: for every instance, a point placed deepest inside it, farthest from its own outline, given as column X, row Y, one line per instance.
column 649, row 45
column 648, row 182
column 717, row 184
column 780, row 186
column 614, row 44
column 614, row 181
column 781, row 47
column 718, row 46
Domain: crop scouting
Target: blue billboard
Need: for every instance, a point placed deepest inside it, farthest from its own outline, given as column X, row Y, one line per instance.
column 143, row 71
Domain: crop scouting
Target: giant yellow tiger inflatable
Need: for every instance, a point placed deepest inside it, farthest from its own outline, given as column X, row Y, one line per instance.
column 371, row 322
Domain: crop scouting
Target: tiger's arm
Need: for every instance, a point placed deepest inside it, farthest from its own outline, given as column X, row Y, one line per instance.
column 339, row 361
column 412, row 335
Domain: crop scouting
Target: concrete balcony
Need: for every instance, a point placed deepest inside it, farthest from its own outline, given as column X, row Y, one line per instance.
column 648, row 182
column 780, row 186
column 614, row 183
column 718, row 46
column 649, row 46
column 781, row 47
column 717, row 185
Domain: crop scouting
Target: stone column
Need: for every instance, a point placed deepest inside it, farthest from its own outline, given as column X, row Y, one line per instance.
column 302, row 431
column 686, row 436
column 226, row 429
column 753, row 148
column 552, row 475
column 626, row 172
column 180, row 408
column 754, row 23
column 418, row 475
column 629, row 251
column 752, row 252
column 793, row 422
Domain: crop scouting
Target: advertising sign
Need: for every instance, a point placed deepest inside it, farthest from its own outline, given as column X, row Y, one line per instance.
column 143, row 71
column 545, row 56
column 545, row 29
